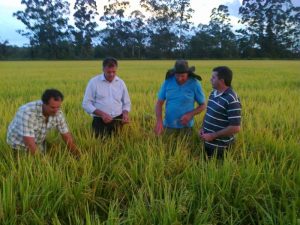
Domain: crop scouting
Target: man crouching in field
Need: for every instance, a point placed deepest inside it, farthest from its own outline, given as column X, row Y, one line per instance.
column 223, row 115
column 28, row 129
column 180, row 90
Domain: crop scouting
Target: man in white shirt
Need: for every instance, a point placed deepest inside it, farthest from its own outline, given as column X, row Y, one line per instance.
column 107, row 100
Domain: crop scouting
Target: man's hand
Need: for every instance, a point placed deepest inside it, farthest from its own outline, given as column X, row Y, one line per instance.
column 159, row 128
column 125, row 117
column 30, row 144
column 184, row 120
column 76, row 153
column 207, row 136
column 201, row 131
column 68, row 139
column 226, row 132
column 106, row 118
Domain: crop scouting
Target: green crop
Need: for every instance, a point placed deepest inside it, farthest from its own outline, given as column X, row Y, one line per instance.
column 135, row 177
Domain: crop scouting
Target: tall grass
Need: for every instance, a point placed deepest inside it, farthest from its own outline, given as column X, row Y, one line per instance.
column 137, row 178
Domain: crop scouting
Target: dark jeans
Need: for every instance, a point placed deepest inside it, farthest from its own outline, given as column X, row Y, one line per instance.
column 100, row 128
column 218, row 152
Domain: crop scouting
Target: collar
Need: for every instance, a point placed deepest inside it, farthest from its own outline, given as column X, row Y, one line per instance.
column 218, row 94
column 102, row 78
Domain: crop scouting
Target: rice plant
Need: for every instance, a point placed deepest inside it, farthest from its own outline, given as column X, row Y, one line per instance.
column 135, row 177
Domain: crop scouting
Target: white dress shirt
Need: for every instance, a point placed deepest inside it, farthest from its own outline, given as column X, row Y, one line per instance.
column 109, row 97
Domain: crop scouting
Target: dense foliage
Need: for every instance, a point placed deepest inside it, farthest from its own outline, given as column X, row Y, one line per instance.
column 159, row 29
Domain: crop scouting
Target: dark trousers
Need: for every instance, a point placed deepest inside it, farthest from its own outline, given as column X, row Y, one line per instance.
column 218, row 152
column 210, row 152
column 100, row 128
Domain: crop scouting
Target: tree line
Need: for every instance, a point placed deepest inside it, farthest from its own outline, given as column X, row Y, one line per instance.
column 162, row 29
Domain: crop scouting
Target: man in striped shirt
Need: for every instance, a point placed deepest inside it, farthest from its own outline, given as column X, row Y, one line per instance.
column 223, row 115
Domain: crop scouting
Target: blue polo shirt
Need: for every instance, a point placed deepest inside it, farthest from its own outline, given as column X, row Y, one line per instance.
column 180, row 99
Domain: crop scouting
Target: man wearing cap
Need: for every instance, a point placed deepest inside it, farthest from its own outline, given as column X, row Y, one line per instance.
column 223, row 115
column 180, row 90
column 27, row 131
column 107, row 100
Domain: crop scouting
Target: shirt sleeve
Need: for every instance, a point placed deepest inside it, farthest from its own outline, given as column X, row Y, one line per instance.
column 125, row 99
column 234, row 112
column 26, row 124
column 62, row 125
column 199, row 95
column 162, row 92
column 88, row 98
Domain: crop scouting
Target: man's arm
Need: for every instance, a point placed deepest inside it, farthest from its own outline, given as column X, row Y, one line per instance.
column 30, row 144
column 26, row 130
column 159, row 128
column 125, row 116
column 227, row 131
column 162, row 94
column 68, row 139
column 126, row 105
column 201, row 131
column 200, row 99
column 189, row 115
column 89, row 98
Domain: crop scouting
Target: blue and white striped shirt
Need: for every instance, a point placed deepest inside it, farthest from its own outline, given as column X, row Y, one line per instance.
column 109, row 97
column 223, row 110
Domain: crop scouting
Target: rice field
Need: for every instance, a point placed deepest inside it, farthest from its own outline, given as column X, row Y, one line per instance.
column 138, row 178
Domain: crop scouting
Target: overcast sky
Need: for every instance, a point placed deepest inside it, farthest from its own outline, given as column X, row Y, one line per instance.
column 9, row 24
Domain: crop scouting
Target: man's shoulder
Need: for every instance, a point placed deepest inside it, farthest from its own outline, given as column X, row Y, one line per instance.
column 31, row 106
column 194, row 82
column 119, row 80
column 231, row 95
column 30, row 111
column 95, row 78
column 170, row 80
column 170, row 77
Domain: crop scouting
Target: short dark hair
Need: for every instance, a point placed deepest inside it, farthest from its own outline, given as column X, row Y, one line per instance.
column 224, row 73
column 52, row 93
column 109, row 62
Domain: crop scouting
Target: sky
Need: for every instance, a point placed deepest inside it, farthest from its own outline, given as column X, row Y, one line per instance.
column 9, row 24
